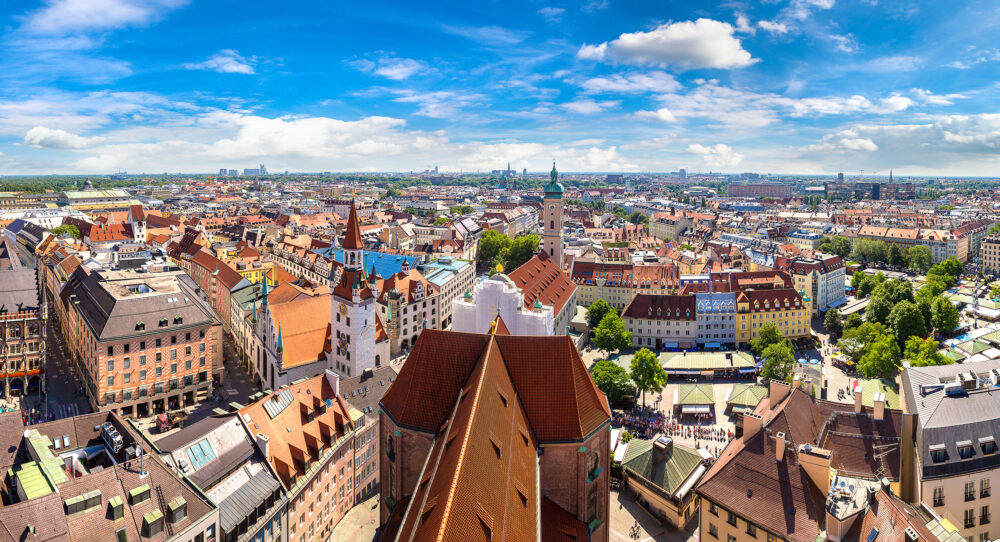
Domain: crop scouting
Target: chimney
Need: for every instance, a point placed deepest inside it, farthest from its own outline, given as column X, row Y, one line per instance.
column 264, row 444
column 752, row 423
column 777, row 391
column 857, row 398
column 661, row 447
column 879, row 401
column 334, row 381
column 797, row 381
column 779, row 446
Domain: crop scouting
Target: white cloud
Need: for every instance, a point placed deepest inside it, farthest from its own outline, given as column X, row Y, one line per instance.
column 894, row 63
column 588, row 106
column 845, row 43
column 552, row 14
column 929, row 97
column 42, row 137
column 73, row 16
column 495, row 36
column 225, row 61
column 743, row 25
column 595, row 5
column 894, row 104
column 719, row 155
column 704, row 43
column 390, row 66
column 438, row 104
column 773, row 27
column 632, row 83
column 662, row 114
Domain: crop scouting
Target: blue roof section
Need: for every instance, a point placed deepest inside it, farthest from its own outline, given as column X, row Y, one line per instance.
column 385, row 263
column 440, row 270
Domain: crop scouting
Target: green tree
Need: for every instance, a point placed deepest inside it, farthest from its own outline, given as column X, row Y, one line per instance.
column 611, row 335
column 768, row 335
column 919, row 258
column 881, row 359
column 894, row 290
column 490, row 245
column 462, row 209
column 944, row 315
column 411, row 210
column 620, row 212
column 612, row 379
column 647, row 373
column 994, row 229
column 521, row 250
column 597, row 310
column 923, row 352
column 66, row 229
column 895, row 255
column 839, row 245
column 392, row 193
column 878, row 309
column 906, row 321
column 440, row 221
column 852, row 321
column 856, row 339
column 778, row 362
column 638, row 218
column 868, row 250
column 924, row 304
column 833, row 323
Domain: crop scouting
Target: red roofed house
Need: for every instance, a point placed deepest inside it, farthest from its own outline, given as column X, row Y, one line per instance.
column 480, row 441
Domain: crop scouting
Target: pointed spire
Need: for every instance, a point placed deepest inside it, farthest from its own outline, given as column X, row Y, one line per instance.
column 890, row 176
column 263, row 292
column 280, row 346
column 352, row 237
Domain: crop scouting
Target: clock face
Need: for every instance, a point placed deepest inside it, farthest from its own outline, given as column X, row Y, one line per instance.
column 343, row 309
column 552, row 207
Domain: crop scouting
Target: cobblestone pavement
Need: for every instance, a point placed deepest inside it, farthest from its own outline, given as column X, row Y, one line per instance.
column 359, row 525
column 64, row 390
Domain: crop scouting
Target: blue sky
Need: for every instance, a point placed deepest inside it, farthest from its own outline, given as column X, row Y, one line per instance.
column 780, row 86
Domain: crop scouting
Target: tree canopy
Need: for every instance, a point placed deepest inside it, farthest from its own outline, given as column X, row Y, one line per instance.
column 839, row 245
column 647, row 373
column 769, row 334
column 66, row 229
column 919, row 258
column 597, row 310
column 906, row 321
column 895, row 255
column 611, row 335
column 778, row 362
column 833, row 323
column 923, row 352
column 612, row 379
column 944, row 315
column 881, row 358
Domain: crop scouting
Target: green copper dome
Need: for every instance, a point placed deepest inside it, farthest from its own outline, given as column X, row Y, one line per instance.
column 553, row 189
column 538, row 303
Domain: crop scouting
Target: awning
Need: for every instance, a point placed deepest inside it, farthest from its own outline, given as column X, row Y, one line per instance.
column 683, row 371
column 739, row 408
column 670, row 345
column 694, row 409
column 686, row 345
column 745, row 370
column 708, row 372
column 713, row 345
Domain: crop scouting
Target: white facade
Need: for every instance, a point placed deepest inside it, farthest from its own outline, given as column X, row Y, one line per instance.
column 46, row 218
column 352, row 330
column 552, row 226
column 499, row 296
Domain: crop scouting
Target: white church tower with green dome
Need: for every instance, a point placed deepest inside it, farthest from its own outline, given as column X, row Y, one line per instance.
column 552, row 218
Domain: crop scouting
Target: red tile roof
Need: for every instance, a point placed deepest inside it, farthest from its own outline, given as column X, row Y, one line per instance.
column 352, row 237
column 661, row 307
column 541, row 278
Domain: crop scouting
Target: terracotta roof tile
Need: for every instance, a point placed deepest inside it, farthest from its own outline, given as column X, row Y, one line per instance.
column 541, row 278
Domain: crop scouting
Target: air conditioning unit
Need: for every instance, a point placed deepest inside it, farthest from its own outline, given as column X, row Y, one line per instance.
column 954, row 388
column 911, row 535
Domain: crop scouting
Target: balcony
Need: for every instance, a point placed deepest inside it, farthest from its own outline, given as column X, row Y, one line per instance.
column 983, row 493
column 984, row 519
column 970, row 496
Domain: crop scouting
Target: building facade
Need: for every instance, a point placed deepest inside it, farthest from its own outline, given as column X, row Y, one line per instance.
column 552, row 218
column 661, row 322
column 477, row 310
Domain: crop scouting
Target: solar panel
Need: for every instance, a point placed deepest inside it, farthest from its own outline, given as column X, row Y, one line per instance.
column 872, row 535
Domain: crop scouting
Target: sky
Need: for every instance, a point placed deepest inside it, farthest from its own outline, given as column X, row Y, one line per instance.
column 773, row 86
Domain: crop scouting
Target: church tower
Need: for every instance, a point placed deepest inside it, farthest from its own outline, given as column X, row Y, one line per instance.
column 552, row 218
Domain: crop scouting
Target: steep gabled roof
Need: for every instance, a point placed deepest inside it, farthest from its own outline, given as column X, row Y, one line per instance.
column 540, row 277
column 352, row 237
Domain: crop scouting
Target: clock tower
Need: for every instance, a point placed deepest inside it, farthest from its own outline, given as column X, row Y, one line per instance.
column 353, row 325
column 552, row 218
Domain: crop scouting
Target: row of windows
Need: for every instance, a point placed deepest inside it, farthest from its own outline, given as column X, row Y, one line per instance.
column 158, row 357
column 158, row 342
column 127, row 377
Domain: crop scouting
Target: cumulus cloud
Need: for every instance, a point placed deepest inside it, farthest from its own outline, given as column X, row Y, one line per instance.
column 49, row 138
column 390, row 66
column 662, row 114
column 632, row 83
column 704, row 43
column 894, row 104
column 552, row 14
column 58, row 17
column 438, row 104
column 743, row 25
column 589, row 107
column 225, row 61
column 718, row 155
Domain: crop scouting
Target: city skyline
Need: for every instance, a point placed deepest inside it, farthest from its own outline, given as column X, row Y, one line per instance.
column 796, row 86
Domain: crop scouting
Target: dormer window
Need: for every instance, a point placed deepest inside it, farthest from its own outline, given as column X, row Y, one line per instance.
column 140, row 326
column 988, row 445
column 964, row 449
column 163, row 322
column 938, row 453
column 178, row 320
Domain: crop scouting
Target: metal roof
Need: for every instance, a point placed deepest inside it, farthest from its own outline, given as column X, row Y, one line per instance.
column 274, row 408
column 244, row 500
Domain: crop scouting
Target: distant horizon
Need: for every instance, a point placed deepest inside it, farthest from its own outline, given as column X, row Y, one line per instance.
column 787, row 87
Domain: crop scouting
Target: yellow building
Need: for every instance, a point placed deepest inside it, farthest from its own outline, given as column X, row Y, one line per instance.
column 786, row 308
column 253, row 269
